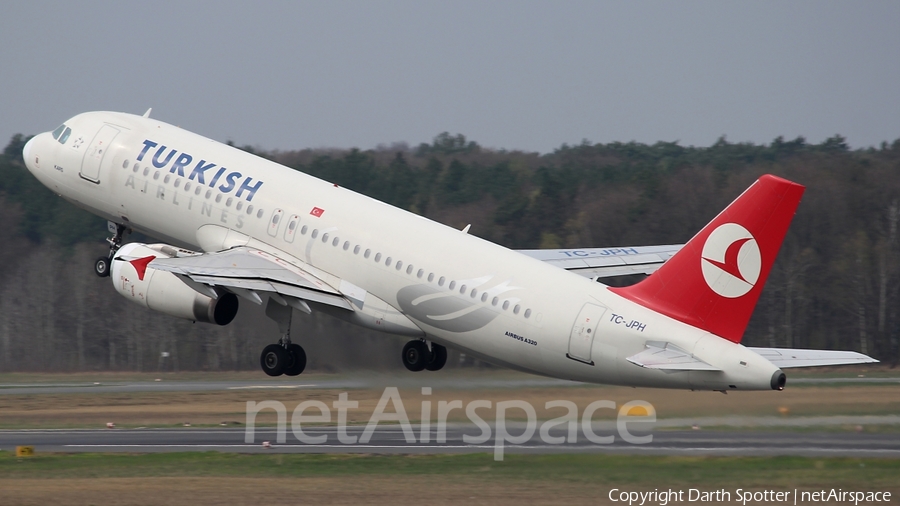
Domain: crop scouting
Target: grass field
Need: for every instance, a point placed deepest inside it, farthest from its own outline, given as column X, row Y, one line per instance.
column 215, row 478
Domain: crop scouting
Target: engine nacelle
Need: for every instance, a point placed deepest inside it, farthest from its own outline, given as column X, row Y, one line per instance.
column 162, row 291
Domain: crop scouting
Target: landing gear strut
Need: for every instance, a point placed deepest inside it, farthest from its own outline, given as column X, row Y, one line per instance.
column 417, row 356
column 284, row 357
column 102, row 264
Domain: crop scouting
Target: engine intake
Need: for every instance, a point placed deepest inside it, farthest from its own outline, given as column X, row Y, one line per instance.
column 163, row 291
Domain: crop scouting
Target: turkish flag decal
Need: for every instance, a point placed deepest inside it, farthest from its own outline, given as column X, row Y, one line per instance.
column 317, row 212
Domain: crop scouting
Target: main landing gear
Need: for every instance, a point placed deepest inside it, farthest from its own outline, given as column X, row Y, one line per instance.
column 102, row 264
column 417, row 356
column 283, row 357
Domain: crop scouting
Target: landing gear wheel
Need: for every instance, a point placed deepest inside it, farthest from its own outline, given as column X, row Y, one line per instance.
column 296, row 360
column 416, row 355
column 101, row 267
column 274, row 359
column 438, row 358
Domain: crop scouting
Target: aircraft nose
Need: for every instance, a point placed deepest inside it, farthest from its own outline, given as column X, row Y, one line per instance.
column 30, row 161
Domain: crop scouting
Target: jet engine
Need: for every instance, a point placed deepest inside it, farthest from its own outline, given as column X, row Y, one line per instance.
column 163, row 291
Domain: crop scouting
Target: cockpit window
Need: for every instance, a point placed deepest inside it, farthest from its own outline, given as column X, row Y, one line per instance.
column 59, row 131
column 65, row 135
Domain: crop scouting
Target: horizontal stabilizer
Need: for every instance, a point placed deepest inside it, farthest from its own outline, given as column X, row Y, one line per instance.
column 785, row 357
column 667, row 356
column 606, row 262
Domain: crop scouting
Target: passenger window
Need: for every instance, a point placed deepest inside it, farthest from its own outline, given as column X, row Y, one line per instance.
column 452, row 285
column 377, row 257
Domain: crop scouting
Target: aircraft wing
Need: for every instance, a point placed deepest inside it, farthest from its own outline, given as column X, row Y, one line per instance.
column 785, row 357
column 667, row 356
column 606, row 262
column 247, row 271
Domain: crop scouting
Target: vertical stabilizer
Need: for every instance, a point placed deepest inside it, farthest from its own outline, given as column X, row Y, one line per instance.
column 714, row 281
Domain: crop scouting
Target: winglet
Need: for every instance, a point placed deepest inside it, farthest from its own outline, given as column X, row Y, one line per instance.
column 140, row 265
column 714, row 281
column 147, row 114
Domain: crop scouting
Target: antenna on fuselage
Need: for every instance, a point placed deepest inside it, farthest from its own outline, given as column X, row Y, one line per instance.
column 147, row 114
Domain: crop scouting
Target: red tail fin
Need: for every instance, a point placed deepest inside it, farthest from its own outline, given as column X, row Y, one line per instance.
column 714, row 281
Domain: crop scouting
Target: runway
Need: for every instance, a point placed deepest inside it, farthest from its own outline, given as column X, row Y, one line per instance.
column 390, row 439
column 351, row 382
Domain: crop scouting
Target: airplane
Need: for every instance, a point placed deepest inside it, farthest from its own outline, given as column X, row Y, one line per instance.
column 239, row 228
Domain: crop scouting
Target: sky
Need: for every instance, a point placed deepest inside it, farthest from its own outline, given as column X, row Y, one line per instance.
column 515, row 75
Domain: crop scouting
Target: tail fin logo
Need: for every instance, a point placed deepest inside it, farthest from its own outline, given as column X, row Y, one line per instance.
column 731, row 261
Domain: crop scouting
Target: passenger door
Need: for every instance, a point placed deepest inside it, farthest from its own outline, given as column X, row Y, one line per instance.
column 96, row 151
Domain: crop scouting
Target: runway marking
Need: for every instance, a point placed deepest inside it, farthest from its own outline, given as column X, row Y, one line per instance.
column 249, row 387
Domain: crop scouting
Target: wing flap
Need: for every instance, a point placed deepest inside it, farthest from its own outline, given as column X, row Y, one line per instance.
column 787, row 357
column 247, row 271
column 667, row 356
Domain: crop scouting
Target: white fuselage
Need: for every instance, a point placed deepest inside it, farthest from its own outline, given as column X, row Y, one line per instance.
column 162, row 180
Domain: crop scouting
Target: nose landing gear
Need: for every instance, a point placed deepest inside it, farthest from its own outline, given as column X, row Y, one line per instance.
column 417, row 356
column 102, row 264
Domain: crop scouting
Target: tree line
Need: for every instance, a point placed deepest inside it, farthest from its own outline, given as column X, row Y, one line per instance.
column 834, row 285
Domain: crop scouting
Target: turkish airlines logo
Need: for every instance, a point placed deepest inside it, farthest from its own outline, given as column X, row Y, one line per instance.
column 731, row 260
